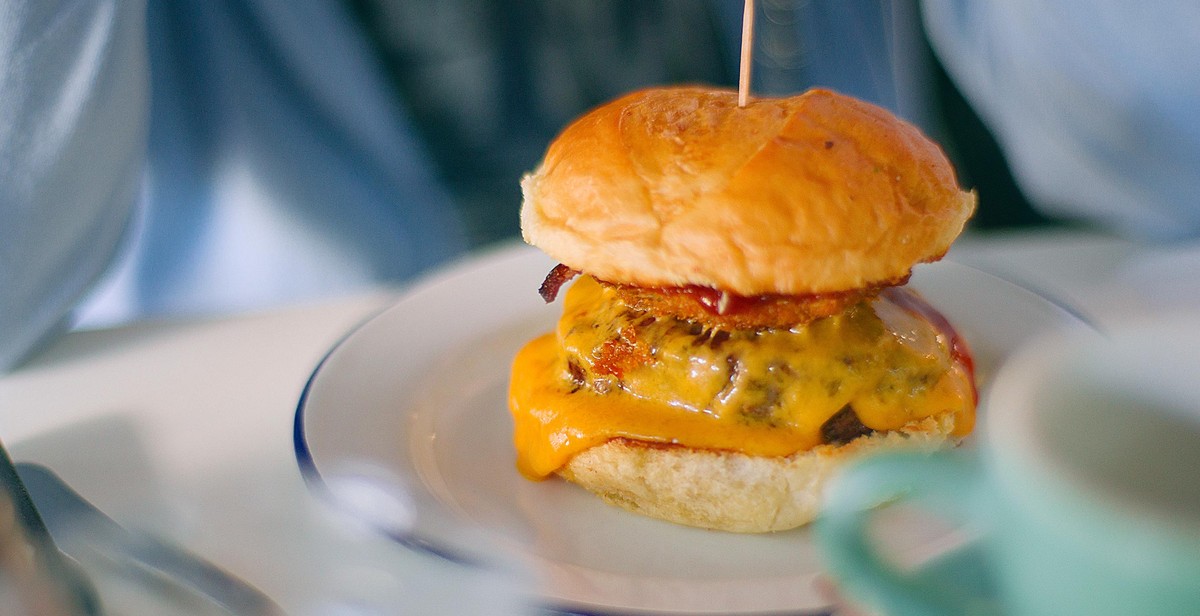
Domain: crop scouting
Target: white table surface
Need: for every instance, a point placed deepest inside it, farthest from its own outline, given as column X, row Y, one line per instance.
column 185, row 427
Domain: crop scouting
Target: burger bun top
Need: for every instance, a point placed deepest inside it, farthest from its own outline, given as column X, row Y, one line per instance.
column 814, row 193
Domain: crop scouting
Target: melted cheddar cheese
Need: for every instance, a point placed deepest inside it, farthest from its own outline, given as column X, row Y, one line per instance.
column 610, row 371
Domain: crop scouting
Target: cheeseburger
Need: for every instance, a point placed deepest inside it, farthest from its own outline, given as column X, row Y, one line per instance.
column 736, row 324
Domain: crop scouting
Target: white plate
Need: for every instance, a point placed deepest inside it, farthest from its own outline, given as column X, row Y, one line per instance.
column 416, row 396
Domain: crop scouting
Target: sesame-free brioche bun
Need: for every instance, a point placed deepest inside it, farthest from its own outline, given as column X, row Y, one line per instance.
column 732, row 491
column 679, row 186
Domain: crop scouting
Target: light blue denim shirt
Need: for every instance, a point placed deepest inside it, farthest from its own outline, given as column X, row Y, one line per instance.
column 1096, row 104
column 73, row 123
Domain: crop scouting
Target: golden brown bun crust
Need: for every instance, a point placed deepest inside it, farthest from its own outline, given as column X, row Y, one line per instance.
column 731, row 491
column 815, row 193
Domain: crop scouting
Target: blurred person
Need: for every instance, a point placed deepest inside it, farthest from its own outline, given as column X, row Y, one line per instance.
column 229, row 154
column 208, row 156
column 224, row 155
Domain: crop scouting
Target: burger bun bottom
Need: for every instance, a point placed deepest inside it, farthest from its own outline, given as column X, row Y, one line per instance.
column 732, row 491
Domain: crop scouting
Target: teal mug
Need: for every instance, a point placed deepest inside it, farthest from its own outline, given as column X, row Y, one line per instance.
column 1082, row 489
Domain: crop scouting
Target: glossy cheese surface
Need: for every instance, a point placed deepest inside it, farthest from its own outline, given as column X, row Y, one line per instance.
column 609, row 371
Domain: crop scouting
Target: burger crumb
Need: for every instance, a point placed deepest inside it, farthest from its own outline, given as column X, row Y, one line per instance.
column 577, row 375
column 844, row 426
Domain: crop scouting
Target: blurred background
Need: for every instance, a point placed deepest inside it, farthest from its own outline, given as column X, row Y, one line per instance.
column 288, row 150
column 298, row 149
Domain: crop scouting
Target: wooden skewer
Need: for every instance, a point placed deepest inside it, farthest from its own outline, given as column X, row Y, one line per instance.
column 747, row 53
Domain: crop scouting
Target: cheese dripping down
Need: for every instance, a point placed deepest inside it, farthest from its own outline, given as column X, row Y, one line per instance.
column 610, row 371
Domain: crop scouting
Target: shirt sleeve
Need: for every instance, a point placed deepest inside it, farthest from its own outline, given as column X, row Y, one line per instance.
column 1093, row 103
column 73, row 123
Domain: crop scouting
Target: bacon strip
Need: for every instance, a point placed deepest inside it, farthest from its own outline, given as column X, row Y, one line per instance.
column 728, row 311
column 555, row 280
